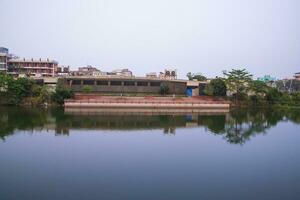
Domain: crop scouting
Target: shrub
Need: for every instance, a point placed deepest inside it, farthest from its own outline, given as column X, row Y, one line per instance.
column 40, row 95
column 18, row 89
column 216, row 87
column 87, row 89
column 164, row 89
column 273, row 96
column 61, row 93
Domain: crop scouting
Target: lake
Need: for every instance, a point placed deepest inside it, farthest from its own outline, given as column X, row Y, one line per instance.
column 241, row 154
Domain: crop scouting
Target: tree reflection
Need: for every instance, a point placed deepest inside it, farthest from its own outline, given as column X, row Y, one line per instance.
column 236, row 127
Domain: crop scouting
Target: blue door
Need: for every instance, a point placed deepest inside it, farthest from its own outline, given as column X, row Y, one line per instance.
column 189, row 92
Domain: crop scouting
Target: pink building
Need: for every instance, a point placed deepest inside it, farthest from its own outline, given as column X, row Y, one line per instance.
column 36, row 68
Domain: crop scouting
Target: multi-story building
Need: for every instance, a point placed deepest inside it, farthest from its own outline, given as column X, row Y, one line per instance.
column 3, row 59
column 22, row 67
column 35, row 68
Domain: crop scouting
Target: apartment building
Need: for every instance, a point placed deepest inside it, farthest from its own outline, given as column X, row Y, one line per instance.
column 32, row 68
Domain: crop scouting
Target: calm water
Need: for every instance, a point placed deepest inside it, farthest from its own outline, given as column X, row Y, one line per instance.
column 244, row 154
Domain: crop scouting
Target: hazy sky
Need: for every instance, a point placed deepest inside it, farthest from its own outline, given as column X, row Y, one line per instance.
column 205, row 36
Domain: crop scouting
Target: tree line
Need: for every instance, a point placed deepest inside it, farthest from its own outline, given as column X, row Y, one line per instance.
column 239, row 86
column 28, row 91
column 236, row 85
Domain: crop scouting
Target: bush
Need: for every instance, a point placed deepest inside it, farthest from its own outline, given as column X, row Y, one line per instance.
column 296, row 98
column 18, row 89
column 61, row 93
column 164, row 89
column 87, row 89
column 257, row 100
column 273, row 96
column 216, row 87
column 286, row 99
column 40, row 95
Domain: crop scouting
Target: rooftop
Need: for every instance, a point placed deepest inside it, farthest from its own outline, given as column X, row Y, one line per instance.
column 32, row 61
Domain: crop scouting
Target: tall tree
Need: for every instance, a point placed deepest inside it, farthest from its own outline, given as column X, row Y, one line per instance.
column 258, row 91
column 237, row 81
column 258, row 87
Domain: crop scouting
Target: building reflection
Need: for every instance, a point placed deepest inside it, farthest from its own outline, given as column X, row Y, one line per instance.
column 236, row 126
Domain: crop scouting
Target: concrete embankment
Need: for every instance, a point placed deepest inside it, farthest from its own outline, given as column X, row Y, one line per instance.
column 146, row 102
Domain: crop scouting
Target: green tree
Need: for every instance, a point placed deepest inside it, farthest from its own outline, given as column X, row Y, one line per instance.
column 198, row 76
column 296, row 98
column 40, row 94
column 61, row 93
column 18, row 89
column 5, row 81
column 216, row 87
column 273, row 96
column 164, row 89
column 258, row 91
column 258, row 87
column 237, row 81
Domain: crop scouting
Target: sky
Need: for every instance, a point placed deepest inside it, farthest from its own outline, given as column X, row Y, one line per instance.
column 198, row 36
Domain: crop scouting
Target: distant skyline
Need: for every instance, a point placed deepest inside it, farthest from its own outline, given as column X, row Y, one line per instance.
column 206, row 36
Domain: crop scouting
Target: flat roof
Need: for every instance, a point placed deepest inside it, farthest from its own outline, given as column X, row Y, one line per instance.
column 31, row 61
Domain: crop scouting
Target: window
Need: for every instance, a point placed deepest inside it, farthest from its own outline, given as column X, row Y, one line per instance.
column 76, row 82
column 129, row 83
column 88, row 82
column 142, row 83
column 155, row 84
column 115, row 83
column 102, row 82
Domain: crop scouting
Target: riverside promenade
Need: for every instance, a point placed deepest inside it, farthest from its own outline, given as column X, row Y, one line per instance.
column 149, row 102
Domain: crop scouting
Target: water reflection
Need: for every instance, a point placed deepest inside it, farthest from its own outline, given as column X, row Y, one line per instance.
column 236, row 126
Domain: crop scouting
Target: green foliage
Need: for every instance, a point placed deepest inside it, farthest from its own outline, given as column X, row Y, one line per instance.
column 296, row 98
column 258, row 90
column 61, row 93
column 237, row 82
column 87, row 89
column 286, row 99
column 216, row 87
column 18, row 89
column 273, row 96
column 4, row 82
column 164, row 89
column 198, row 76
column 209, row 90
column 258, row 87
column 40, row 95
column 15, row 91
